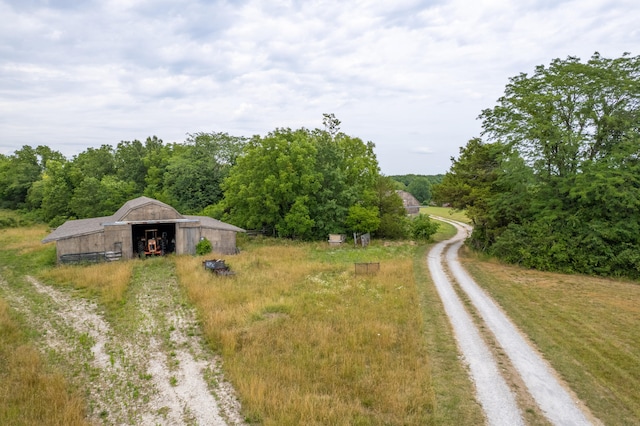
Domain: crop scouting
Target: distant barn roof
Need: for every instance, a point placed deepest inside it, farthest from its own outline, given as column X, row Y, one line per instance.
column 79, row 227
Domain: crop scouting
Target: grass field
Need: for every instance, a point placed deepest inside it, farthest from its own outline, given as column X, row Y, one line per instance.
column 586, row 327
column 446, row 212
column 306, row 341
column 31, row 392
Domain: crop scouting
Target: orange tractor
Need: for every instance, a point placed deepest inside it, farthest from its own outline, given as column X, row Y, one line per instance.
column 153, row 244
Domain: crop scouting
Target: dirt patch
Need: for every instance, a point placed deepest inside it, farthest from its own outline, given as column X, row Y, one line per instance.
column 154, row 370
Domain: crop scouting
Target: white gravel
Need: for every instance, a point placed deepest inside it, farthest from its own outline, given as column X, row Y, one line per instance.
column 497, row 400
column 556, row 402
column 137, row 378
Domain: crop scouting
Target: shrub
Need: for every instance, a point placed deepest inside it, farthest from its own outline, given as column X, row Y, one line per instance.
column 393, row 227
column 423, row 228
column 203, row 247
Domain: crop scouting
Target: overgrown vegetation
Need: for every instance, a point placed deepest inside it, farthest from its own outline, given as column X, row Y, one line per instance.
column 203, row 247
column 556, row 186
column 306, row 341
column 31, row 392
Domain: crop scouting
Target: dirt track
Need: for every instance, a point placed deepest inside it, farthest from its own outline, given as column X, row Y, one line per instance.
column 154, row 370
column 557, row 403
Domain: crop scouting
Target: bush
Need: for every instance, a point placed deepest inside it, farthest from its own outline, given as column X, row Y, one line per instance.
column 423, row 228
column 203, row 247
column 393, row 227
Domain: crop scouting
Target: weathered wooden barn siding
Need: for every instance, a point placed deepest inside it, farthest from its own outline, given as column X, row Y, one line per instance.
column 187, row 237
column 80, row 244
column 151, row 212
column 114, row 234
column 222, row 241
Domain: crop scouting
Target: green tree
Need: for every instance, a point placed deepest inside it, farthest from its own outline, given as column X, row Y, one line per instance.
column 393, row 216
column 363, row 219
column 557, row 188
column 273, row 174
column 92, row 162
column 420, row 187
column 56, row 192
column 348, row 170
column 194, row 174
column 300, row 183
column 156, row 160
column 17, row 173
column 567, row 113
column 130, row 165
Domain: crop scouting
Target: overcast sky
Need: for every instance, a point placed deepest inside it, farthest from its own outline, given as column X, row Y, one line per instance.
column 411, row 76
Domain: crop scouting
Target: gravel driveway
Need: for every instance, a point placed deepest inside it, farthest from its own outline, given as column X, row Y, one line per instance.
column 154, row 371
column 557, row 404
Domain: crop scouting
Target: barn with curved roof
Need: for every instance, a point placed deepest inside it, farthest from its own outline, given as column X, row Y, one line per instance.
column 142, row 226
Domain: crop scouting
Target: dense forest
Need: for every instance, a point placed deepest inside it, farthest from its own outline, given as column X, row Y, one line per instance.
column 555, row 183
column 299, row 183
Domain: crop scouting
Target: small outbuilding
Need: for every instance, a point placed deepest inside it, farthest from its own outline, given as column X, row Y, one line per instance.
column 141, row 226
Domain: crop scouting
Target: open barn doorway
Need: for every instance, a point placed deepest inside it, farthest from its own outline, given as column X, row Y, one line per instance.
column 154, row 239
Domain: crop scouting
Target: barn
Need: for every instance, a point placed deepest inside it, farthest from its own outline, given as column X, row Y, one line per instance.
column 410, row 203
column 141, row 225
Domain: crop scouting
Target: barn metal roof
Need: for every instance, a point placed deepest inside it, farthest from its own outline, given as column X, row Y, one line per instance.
column 80, row 227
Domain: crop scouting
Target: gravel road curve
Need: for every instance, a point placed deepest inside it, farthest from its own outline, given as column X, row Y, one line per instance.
column 556, row 403
column 497, row 400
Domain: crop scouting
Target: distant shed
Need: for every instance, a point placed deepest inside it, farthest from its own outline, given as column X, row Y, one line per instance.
column 411, row 203
column 122, row 232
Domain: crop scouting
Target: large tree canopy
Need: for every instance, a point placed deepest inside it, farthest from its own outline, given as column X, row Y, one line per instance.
column 292, row 183
column 556, row 185
column 301, row 183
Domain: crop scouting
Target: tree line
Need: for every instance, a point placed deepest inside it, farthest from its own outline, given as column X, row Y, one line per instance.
column 302, row 183
column 553, row 182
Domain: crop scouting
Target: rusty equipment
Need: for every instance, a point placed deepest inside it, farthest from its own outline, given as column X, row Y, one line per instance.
column 218, row 267
column 153, row 244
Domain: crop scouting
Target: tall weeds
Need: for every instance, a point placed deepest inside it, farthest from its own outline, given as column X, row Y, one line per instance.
column 306, row 341
column 29, row 394
column 108, row 281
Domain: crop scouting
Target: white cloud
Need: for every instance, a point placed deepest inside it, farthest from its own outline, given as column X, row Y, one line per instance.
column 413, row 71
column 423, row 150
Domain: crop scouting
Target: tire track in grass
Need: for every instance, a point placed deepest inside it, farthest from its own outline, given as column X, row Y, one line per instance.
column 497, row 400
column 158, row 373
column 558, row 405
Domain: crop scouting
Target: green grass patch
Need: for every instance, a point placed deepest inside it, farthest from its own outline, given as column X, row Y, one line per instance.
column 446, row 212
column 454, row 394
column 586, row 327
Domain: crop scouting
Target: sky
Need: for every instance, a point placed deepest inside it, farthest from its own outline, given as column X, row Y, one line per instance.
column 411, row 76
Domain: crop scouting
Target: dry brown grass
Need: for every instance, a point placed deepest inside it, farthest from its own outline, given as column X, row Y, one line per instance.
column 23, row 240
column 586, row 327
column 108, row 281
column 29, row 394
column 306, row 341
